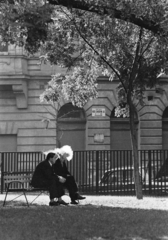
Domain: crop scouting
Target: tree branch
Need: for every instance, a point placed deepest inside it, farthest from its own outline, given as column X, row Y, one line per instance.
column 140, row 21
column 135, row 63
column 150, row 42
column 102, row 58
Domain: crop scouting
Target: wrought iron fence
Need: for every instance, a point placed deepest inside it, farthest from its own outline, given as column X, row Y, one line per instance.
column 101, row 172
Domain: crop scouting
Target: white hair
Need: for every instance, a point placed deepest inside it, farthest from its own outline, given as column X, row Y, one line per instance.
column 66, row 150
column 61, row 151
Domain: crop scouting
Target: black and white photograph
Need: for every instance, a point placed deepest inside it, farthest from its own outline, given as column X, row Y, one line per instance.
column 84, row 119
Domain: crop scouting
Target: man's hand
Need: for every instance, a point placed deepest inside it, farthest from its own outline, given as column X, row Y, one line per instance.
column 62, row 179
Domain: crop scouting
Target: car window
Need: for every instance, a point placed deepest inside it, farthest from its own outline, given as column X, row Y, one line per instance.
column 124, row 175
column 112, row 177
column 120, row 176
column 116, row 176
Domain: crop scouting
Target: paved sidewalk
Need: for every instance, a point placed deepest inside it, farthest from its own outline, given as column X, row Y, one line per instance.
column 159, row 203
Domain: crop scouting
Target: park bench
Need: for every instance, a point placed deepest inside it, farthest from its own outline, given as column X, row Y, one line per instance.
column 15, row 182
column 20, row 183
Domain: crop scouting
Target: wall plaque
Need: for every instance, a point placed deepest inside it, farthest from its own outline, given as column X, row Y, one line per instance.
column 99, row 138
column 101, row 112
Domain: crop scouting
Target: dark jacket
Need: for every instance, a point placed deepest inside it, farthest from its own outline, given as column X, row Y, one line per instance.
column 70, row 183
column 43, row 174
column 61, row 170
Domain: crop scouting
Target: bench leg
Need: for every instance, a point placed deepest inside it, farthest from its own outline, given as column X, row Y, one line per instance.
column 5, row 196
column 26, row 198
column 41, row 192
column 7, row 190
column 36, row 197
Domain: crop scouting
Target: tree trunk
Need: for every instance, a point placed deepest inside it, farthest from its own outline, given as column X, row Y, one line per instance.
column 138, row 185
column 58, row 144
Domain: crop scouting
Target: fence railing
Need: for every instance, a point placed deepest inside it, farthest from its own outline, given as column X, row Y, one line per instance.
column 100, row 172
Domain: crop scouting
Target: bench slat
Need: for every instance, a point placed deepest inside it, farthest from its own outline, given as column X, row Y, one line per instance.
column 16, row 177
column 36, row 189
column 21, row 179
column 17, row 181
column 17, row 190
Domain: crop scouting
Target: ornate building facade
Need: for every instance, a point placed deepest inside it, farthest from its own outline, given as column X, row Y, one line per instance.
column 27, row 125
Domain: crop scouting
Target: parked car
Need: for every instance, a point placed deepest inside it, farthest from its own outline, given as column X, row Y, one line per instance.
column 118, row 175
column 123, row 178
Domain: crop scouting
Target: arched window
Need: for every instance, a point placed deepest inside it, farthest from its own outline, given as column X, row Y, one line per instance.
column 120, row 132
column 165, row 113
column 165, row 129
column 70, row 111
column 3, row 47
column 71, row 126
column 113, row 115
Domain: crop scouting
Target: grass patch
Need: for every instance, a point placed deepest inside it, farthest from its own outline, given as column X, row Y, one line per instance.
column 86, row 222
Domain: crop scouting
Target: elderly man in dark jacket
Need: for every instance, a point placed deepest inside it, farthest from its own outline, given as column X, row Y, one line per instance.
column 45, row 176
column 65, row 153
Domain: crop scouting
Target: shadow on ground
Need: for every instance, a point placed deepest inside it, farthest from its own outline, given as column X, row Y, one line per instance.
column 83, row 222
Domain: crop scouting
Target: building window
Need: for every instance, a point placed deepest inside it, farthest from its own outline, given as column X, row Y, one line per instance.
column 3, row 47
column 112, row 116
column 165, row 113
column 70, row 111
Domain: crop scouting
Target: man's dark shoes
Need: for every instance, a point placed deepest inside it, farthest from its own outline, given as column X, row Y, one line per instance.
column 61, row 202
column 53, row 204
column 79, row 197
column 74, row 202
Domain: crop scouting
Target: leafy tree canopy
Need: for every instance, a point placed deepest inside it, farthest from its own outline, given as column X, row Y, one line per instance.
column 26, row 21
column 77, row 88
column 91, row 36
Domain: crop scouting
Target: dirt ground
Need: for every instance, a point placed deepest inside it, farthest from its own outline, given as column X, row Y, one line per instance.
column 157, row 203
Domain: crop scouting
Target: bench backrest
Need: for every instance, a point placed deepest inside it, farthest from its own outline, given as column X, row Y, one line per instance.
column 15, row 178
column 25, row 178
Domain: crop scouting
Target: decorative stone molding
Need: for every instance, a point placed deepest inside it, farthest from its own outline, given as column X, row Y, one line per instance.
column 20, row 91
column 6, row 61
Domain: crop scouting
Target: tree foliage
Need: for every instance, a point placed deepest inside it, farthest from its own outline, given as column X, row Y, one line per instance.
column 77, row 88
column 103, row 45
column 20, row 19
column 25, row 23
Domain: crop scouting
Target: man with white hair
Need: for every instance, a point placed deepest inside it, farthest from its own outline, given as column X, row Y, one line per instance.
column 65, row 154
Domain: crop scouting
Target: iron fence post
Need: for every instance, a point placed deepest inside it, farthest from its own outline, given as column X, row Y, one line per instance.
column 149, row 165
column 97, row 172
column 2, row 172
